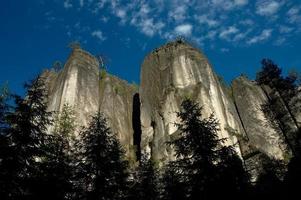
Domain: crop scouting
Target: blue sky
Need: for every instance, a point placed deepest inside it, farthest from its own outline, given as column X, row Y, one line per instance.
column 234, row 34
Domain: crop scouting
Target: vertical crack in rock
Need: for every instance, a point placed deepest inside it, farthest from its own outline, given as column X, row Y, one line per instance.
column 137, row 126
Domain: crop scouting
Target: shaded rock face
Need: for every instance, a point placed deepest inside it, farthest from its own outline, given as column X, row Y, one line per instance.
column 260, row 132
column 169, row 75
column 116, row 102
column 80, row 84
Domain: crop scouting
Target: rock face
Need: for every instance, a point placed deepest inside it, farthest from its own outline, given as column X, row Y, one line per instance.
column 144, row 121
column 77, row 84
column 169, row 75
column 80, row 84
column 261, row 134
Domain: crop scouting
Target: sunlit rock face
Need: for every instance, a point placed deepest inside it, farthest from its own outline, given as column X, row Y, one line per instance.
column 80, row 84
column 170, row 74
column 77, row 84
column 261, row 133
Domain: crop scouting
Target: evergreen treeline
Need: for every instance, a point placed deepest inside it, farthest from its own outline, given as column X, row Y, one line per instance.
column 38, row 162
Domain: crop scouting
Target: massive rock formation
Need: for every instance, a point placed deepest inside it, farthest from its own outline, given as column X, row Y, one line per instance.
column 82, row 85
column 169, row 74
column 260, row 132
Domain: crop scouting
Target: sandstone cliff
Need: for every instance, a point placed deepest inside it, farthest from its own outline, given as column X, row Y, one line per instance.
column 169, row 74
column 81, row 84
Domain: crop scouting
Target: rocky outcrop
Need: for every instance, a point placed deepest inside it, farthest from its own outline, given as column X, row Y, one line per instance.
column 82, row 85
column 116, row 102
column 168, row 76
column 261, row 134
column 144, row 121
column 77, row 84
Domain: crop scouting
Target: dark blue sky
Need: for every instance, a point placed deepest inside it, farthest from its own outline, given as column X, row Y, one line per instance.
column 234, row 34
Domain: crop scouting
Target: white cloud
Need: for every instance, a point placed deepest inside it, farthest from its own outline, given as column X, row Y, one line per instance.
column 81, row 3
column 241, row 2
column 265, row 34
column 235, row 21
column 247, row 22
column 267, row 7
column 285, row 29
column 178, row 13
column 227, row 33
column 205, row 19
column 228, row 4
column 98, row 34
column 67, row 4
column 184, row 29
column 294, row 15
column 149, row 27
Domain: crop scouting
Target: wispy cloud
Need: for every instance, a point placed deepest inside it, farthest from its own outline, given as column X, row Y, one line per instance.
column 205, row 21
column 81, row 3
column 67, row 4
column 228, row 32
column 184, row 29
column 265, row 34
column 99, row 35
column 267, row 7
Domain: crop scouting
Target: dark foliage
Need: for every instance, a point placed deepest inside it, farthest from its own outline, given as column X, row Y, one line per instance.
column 202, row 164
column 282, row 96
column 25, row 136
column 102, row 170
column 145, row 184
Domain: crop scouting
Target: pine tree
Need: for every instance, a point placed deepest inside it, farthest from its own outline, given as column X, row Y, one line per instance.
column 200, row 156
column 278, row 108
column 173, row 183
column 146, row 181
column 103, row 167
column 4, row 107
column 64, row 122
column 58, row 165
column 5, row 153
column 26, row 131
column 284, row 87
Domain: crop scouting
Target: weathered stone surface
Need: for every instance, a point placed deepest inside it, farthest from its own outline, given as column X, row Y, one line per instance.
column 77, row 84
column 170, row 74
column 116, row 102
column 80, row 84
column 261, row 134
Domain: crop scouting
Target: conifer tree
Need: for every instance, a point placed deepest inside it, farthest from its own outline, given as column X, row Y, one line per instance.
column 279, row 105
column 103, row 168
column 26, row 131
column 146, row 181
column 285, row 87
column 58, row 165
column 200, row 156
column 5, row 153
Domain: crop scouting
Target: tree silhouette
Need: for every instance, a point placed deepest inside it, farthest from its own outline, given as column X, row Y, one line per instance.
column 279, row 107
column 57, row 168
column 26, row 135
column 5, row 153
column 146, row 181
column 201, row 159
column 173, row 183
column 103, row 168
